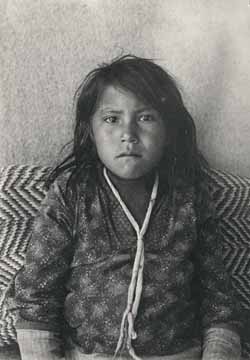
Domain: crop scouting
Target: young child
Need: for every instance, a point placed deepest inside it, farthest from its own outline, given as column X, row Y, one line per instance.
column 124, row 260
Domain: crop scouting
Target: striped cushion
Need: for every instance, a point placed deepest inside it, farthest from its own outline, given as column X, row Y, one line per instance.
column 21, row 191
column 231, row 196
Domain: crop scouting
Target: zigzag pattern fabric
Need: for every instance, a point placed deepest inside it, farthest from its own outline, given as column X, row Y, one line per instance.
column 231, row 196
column 232, row 202
column 22, row 190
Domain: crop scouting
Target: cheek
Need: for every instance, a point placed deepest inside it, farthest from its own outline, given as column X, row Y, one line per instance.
column 158, row 140
column 96, row 135
column 158, row 148
column 103, row 143
column 101, row 132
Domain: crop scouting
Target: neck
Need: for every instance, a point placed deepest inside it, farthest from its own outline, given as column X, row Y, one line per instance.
column 144, row 183
column 135, row 193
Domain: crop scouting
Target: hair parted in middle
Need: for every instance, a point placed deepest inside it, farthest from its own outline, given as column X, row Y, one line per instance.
column 153, row 86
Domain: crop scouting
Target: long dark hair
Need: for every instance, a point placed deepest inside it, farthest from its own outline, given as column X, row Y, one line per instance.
column 154, row 86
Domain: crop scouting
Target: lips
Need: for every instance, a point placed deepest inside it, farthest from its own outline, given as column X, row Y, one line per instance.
column 128, row 155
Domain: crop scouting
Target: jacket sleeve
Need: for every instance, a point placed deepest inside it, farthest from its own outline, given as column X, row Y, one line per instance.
column 219, row 308
column 40, row 285
column 39, row 345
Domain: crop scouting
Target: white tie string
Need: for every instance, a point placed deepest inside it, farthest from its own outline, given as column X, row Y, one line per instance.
column 135, row 286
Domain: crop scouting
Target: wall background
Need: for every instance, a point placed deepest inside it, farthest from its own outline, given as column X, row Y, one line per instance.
column 47, row 47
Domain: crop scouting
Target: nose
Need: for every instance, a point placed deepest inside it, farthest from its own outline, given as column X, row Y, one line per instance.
column 129, row 133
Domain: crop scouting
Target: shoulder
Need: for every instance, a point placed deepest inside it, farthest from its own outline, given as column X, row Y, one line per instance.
column 71, row 186
column 204, row 186
column 67, row 181
column 60, row 181
column 204, row 190
column 60, row 193
column 59, row 187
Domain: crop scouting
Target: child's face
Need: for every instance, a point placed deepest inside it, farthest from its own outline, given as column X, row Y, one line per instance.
column 129, row 135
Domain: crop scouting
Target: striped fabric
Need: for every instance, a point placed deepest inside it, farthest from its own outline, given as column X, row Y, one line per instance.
column 231, row 195
column 232, row 200
column 21, row 191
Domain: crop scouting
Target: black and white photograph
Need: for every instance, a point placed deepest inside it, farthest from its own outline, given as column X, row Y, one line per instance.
column 124, row 180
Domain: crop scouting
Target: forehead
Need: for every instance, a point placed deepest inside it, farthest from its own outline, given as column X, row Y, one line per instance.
column 117, row 96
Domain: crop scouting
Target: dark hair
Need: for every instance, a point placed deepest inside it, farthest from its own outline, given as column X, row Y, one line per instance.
column 151, row 84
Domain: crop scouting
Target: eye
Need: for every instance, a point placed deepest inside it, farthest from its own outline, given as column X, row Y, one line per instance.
column 111, row 119
column 146, row 117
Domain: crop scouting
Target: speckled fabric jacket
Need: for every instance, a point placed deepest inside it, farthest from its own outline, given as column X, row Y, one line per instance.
column 83, row 277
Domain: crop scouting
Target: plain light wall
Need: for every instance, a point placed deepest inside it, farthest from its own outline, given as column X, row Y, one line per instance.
column 48, row 46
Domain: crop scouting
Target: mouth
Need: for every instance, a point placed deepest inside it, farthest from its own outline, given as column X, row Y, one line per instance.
column 122, row 155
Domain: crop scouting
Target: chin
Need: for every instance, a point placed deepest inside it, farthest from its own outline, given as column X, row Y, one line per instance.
column 130, row 175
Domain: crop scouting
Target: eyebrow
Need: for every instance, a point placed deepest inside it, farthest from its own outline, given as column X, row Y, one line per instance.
column 111, row 110
column 145, row 108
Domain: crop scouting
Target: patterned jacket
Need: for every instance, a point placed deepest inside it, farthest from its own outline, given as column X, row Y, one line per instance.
column 82, row 277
